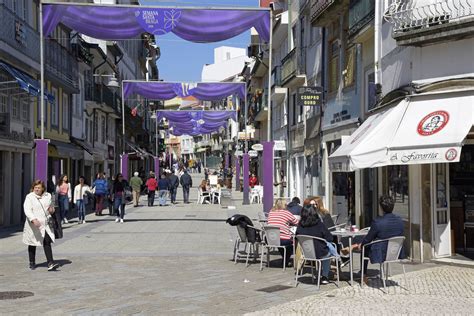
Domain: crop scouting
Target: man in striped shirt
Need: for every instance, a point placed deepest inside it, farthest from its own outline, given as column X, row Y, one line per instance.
column 281, row 217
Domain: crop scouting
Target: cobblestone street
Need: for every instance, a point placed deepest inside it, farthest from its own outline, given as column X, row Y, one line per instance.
column 176, row 260
column 443, row 290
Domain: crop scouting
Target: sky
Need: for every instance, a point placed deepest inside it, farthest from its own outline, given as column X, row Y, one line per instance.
column 182, row 60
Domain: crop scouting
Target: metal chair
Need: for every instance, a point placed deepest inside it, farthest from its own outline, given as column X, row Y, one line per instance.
column 271, row 241
column 335, row 218
column 243, row 238
column 306, row 244
column 394, row 247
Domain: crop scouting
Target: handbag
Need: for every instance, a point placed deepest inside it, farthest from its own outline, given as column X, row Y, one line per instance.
column 53, row 223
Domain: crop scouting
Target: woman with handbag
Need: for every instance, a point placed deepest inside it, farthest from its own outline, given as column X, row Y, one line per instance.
column 38, row 229
column 63, row 191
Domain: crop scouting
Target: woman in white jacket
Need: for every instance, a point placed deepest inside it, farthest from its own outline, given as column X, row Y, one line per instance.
column 37, row 232
column 80, row 191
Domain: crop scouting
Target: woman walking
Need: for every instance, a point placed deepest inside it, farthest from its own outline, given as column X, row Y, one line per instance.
column 80, row 191
column 63, row 190
column 118, row 197
column 100, row 191
column 37, row 230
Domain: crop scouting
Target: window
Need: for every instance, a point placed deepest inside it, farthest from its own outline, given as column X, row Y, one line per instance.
column 371, row 90
column 96, row 129
column 90, row 131
column 293, row 103
column 300, row 115
column 104, row 124
column 349, row 71
column 3, row 103
column 25, row 109
column 65, row 111
column 333, row 66
column 87, row 129
column 15, row 108
column 55, row 109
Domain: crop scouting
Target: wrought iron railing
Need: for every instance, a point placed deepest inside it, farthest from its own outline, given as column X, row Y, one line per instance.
column 101, row 94
column 293, row 64
column 410, row 14
column 361, row 12
column 319, row 6
column 60, row 63
column 276, row 76
column 18, row 34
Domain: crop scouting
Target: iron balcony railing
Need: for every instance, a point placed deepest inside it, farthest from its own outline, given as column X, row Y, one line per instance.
column 276, row 76
column 61, row 64
column 293, row 64
column 361, row 12
column 319, row 6
column 415, row 14
column 18, row 34
column 101, row 94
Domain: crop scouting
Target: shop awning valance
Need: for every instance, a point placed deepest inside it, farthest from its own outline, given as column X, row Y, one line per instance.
column 423, row 129
column 26, row 82
column 125, row 22
column 168, row 90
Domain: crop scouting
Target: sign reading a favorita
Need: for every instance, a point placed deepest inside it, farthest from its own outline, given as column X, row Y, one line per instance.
column 432, row 155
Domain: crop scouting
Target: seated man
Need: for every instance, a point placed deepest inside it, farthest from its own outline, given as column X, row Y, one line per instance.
column 387, row 226
column 294, row 206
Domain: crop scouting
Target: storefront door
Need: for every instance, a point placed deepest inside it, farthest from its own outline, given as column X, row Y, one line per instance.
column 441, row 210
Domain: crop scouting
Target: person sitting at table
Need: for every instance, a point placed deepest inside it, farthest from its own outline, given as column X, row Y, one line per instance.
column 323, row 213
column 294, row 206
column 204, row 187
column 387, row 226
column 281, row 217
column 253, row 180
column 311, row 224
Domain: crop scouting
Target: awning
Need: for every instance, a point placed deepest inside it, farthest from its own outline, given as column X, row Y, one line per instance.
column 68, row 150
column 422, row 129
column 26, row 83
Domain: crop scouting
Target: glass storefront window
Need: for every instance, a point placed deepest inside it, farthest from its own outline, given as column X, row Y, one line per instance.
column 396, row 185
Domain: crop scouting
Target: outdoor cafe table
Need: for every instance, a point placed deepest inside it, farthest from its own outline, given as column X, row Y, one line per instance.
column 350, row 235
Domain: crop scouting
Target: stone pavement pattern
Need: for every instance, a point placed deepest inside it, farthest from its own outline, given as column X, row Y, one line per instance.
column 443, row 290
column 171, row 260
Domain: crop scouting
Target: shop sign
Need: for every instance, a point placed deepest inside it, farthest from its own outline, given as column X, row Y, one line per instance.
column 253, row 153
column 425, row 156
column 309, row 96
column 257, row 147
column 433, row 123
column 279, row 145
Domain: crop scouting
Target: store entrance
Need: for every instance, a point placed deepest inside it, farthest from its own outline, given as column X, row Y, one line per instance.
column 461, row 180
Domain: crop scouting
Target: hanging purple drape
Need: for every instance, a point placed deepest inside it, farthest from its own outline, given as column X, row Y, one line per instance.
column 166, row 91
column 187, row 116
column 41, row 159
column 120, row 23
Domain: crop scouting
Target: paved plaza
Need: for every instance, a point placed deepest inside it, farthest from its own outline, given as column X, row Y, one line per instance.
column 176, row 260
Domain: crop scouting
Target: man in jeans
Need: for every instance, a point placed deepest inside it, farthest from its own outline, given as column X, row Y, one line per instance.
column 136, row 184
column 163, row 186
column 173, row 183
column 186, row 182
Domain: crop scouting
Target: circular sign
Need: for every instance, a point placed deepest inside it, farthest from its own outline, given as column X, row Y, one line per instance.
column 257, row 147
column 433, row 123
column 451, row 154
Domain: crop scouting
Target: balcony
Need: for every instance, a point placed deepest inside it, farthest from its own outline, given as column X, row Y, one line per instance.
column 361, row 12
column 323, row 12
column 102, row 98
column 82, row 50
column 420, row 23
column 19, row 35
column 293, row 68
column 278, row 93
column 61, row 66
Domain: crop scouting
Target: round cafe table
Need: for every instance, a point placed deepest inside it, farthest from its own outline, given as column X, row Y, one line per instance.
column 350, row 235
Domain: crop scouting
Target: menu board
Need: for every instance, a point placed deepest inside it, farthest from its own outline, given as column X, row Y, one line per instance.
column 469, row 209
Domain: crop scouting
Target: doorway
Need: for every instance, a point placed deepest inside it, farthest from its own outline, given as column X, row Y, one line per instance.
column 440, row 210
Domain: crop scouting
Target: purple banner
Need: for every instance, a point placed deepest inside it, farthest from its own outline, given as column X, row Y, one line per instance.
column 167, row 90
column 41, row 160
column 245, row 175
column 237, row 173
column 124, row 166
column 108, row 22
column 157, row 167
column 267, row 176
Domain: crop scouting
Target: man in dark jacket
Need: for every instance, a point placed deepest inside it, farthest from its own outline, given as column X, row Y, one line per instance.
column 173, row 181
column 186, row 182
column 387, row 226
column 294, row 206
